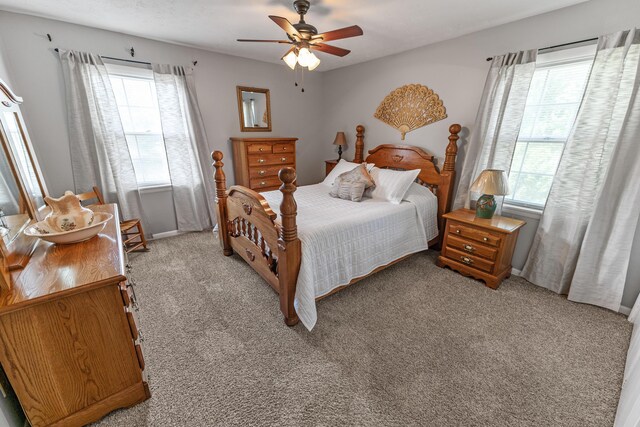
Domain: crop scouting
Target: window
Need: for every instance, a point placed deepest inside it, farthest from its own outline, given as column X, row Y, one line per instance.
column 552, row 104
column 135, row 93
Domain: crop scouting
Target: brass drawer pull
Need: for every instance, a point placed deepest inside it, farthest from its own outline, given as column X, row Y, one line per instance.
column 284, row 148
column 466, row 260
column 468, row 248
column 261, row 149
column 261, row 160
column 284, row 159
column 263, row 183
column 458, row 231
column 485, row 239
column 261, row 173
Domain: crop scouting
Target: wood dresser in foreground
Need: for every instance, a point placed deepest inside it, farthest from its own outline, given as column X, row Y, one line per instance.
column 480, row 248
column 70, row 344
column 257, row 161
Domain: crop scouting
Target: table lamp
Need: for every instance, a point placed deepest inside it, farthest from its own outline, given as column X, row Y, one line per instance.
column 340, row 141
column 491, row 182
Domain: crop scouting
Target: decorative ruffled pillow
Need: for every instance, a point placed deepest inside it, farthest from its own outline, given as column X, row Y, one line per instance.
column 352, row 184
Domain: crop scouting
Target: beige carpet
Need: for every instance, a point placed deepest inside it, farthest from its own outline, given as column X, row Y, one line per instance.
column 412, row 345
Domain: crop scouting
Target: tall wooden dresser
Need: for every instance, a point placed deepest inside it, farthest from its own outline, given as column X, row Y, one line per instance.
column 70, row 343
column 257, row 161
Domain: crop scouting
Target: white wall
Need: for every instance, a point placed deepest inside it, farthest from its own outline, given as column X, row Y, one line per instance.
column 456, row 70
column 37, row 77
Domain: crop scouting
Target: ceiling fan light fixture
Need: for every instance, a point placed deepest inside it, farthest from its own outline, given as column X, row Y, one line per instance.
column 290, row 59
column 305, row 57
column 316, row 61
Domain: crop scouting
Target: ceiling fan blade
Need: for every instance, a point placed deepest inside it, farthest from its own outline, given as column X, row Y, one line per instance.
column 286, row 25
column 264, row 41
column 342, row 33
column 338, row 51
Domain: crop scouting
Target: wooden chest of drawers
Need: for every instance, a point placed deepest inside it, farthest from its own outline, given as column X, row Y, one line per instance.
column 480, row 248
column 71, row 344
column 256, row 161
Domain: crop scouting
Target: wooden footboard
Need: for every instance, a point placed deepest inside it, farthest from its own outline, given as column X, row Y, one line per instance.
column 248, row 226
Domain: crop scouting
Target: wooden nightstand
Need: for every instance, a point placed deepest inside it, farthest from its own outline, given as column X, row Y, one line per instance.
column 480, row 248
column 329, row 165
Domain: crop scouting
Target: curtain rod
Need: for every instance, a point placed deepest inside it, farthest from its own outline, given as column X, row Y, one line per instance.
column 117, row 59
column 561, row 45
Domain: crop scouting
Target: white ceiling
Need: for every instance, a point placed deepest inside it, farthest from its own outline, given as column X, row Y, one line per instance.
column 390, row 26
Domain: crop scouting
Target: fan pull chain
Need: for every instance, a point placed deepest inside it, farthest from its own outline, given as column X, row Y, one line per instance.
column 302, row 79
column 295, row 74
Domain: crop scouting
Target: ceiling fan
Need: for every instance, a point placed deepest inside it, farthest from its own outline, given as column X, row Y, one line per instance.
column 305, row 39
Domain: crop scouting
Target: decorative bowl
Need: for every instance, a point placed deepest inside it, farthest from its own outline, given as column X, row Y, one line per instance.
column 44, row 231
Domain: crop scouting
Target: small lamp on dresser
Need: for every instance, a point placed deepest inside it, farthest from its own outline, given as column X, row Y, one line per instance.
column 491, row 182
column 340, row 141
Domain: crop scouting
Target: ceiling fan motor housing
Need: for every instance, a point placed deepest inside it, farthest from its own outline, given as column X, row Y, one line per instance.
column 302, row 7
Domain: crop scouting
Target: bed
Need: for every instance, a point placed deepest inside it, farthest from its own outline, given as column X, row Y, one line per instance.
column 309, row 246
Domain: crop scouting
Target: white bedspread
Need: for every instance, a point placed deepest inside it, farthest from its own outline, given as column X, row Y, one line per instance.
column 343, row 240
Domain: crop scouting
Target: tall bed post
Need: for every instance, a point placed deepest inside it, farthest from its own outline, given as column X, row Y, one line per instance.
column 289, row 247
column 448, row 176
column 359, row 156
column 221, row 203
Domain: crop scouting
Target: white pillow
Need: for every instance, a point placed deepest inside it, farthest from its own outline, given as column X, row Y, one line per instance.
column 342, row 167
column 392, row 185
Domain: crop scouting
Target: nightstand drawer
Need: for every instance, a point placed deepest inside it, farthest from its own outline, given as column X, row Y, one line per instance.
column 457, row 229
column 259, row 148
column 470, row 260
column 471, row 247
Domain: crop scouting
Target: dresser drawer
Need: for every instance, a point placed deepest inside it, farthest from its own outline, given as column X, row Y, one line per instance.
column 470, row 260
column 259, row 148
column 457, row 229
column 271, row 159
column 287, row 147
column 264, row 171
column 471, row 247
column 260, row 183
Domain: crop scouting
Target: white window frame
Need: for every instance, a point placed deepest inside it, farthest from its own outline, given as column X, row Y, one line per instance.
column 140, row 73
column 548, row 60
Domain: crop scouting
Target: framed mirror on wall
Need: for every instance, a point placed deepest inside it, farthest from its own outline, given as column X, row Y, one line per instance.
column 22, row 188
column 254, row 109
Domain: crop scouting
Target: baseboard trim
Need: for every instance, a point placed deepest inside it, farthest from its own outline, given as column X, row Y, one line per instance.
column 624, row 310
column 516, row 272
column 165, row 234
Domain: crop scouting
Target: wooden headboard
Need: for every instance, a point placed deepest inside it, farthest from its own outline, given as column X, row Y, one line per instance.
column 406, row 157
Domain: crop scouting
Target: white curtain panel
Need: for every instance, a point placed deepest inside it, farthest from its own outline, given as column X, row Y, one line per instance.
column 494, row 135
column 583, row 242
column 187, row 148
column 602, row 266
column 628, row 414
column 99, row 152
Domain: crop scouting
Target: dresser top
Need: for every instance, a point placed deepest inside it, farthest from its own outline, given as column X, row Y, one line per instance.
column 497, row 223
column 234, row 139
column 55, row 269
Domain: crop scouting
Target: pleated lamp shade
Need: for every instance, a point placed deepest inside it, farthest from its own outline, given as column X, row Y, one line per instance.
column 491, row 181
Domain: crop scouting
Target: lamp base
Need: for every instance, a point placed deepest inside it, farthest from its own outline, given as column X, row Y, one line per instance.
column 486, row 206
column 339, row 152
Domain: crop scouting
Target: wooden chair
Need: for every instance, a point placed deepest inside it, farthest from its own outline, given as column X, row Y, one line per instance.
column 131, row 230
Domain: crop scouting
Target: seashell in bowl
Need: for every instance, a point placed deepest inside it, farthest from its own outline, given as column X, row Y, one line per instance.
column 45, row 231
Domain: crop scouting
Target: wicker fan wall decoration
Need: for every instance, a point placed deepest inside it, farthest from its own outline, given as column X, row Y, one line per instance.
column 411, row 107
